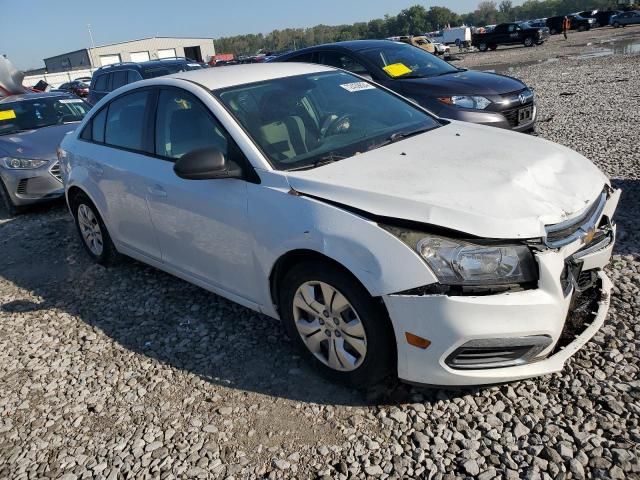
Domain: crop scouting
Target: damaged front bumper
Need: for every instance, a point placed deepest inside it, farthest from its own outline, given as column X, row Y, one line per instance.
column 496, row 338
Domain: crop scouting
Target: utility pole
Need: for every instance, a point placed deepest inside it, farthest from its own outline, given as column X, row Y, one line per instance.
column 93, row 45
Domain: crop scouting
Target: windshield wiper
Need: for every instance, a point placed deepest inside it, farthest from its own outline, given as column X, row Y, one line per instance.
column 327, row 159
column 397, row 136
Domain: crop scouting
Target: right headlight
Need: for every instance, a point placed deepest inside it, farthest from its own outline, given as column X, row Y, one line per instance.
column 459, row 262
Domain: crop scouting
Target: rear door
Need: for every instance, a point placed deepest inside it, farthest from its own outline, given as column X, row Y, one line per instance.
column 120, row 164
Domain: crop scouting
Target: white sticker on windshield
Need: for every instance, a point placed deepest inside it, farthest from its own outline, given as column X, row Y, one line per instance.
column 357, row 86
column 71, row 100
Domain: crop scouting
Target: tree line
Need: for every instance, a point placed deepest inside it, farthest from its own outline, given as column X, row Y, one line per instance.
column 410, row 21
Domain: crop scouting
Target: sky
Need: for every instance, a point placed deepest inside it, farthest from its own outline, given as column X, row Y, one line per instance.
column 39, row 29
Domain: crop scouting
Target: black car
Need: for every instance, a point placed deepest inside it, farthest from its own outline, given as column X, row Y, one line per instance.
column 77, row 87
column 106, row 79
column 577, row 22
column 436, row 85
column 509, row 34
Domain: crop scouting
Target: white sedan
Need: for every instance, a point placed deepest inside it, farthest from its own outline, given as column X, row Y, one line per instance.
column 388, row 241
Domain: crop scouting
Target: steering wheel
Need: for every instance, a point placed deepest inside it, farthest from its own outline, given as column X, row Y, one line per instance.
column 333, row 125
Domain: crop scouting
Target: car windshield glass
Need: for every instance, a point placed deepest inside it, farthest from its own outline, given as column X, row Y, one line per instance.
column 306, row 120
column 30, row 114
column 405, row 61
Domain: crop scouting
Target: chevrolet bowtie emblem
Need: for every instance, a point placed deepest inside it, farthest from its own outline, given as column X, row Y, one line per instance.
column 589, row 236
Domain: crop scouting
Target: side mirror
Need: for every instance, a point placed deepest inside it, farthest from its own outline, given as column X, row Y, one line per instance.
column 205, row 164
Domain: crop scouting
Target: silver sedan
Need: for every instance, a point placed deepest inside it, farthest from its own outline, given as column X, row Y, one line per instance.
column 32, row 126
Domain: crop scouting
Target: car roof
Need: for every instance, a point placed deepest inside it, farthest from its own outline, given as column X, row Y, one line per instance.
column 216, row 78
column 148, row 63
column 33, row 96
column 353, row 45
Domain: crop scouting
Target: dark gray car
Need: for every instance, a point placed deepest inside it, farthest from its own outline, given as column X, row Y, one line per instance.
column 31, row 128
column 445, row 90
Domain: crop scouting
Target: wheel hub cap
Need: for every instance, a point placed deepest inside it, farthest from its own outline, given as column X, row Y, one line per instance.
column 340, row 342
column 90, row 230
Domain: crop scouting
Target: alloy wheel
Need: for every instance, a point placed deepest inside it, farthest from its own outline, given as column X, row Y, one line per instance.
column 329, row 326
column 90, row 230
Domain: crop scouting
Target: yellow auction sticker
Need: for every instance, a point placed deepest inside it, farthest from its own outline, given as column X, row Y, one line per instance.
column 397, row 69
column 7, row 114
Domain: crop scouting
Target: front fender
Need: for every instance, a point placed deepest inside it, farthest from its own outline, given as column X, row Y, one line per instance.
column 284, row 221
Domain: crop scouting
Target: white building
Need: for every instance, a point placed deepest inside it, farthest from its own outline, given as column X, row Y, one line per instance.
column 154, row 48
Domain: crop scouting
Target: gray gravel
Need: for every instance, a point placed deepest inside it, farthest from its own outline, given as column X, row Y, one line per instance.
column 127, row 372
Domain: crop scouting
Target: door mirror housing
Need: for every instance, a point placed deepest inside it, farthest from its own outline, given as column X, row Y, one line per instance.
column 206, row 164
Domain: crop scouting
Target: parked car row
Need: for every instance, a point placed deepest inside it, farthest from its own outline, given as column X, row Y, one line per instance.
column 388, row 240
column 588, row 19
column 336, row 189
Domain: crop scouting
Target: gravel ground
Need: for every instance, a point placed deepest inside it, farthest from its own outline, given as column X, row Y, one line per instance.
column 127, row 372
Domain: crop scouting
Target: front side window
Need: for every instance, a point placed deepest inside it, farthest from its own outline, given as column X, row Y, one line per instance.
column 299, row 122
column 184, row 124
column 31, row 114
column 343, row 61
column 125, row 127
column 404, row 61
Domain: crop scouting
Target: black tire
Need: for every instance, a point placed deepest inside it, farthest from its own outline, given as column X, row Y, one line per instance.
column 483, row 47
column 109, row 254
column 553, row 31
column 528, row 42
column 380, row 358
column 493, row 47
column 11, row 209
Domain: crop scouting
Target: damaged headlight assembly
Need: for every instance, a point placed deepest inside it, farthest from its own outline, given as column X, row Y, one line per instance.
column 463, row 263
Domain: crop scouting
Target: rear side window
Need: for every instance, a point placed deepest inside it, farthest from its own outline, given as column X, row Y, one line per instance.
column 101, row 83
column 97, row 126
column 125, row 126
column 119, row 79
column 340, row 60
column 305, row 57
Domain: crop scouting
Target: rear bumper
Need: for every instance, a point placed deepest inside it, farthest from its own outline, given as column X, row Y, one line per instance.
column 26, row 187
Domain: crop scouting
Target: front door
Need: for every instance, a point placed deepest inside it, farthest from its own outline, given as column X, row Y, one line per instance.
column 202, row 225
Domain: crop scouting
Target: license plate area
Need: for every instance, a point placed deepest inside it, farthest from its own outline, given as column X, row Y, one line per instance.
column 525, row 115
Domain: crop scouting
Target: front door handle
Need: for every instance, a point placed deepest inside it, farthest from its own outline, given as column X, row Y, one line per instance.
column 157, row 191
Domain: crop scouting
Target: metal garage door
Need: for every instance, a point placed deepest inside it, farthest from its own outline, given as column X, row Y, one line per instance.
column 109, row 59
column 167, row 53
column 139, row 56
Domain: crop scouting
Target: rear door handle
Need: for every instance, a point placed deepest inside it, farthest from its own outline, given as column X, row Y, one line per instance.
column 157, row 191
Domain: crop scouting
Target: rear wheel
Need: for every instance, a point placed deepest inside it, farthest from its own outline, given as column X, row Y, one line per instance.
column 616, row 24
column 5, row 199
column 336, row 323
column 483, row 47
column 528, row 42
column 93, row 232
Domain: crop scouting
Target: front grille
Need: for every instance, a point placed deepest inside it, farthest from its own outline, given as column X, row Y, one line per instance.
column 583, row 308
column 22, row 186
column 55, row 171
column 564, row 233
column 497, row 352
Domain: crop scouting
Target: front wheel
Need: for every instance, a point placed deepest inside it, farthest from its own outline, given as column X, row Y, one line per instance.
column 528, row 42
column 336, row 323
column 93, row 232
column 483, row 47
column 5, row 199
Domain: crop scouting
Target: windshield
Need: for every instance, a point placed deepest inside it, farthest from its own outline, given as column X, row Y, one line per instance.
column 30, row 114
column 304, row 121
column 405, row 61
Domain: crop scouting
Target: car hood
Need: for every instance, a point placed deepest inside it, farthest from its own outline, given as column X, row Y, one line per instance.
column 474, row 179
column 468, row 82
column 40, row 143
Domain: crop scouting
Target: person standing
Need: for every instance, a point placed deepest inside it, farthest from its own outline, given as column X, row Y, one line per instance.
column 566, row 25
